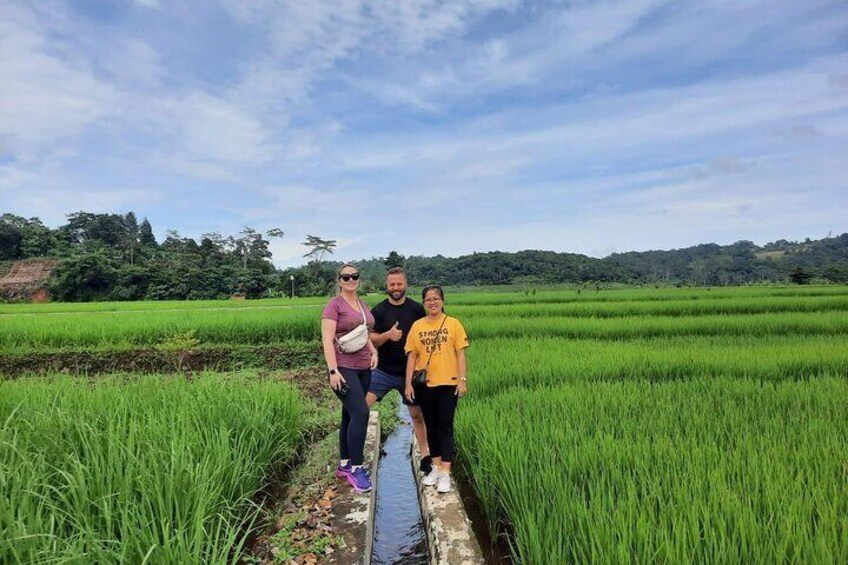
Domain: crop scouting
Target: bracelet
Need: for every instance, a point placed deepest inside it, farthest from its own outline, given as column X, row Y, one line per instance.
column 463, row 378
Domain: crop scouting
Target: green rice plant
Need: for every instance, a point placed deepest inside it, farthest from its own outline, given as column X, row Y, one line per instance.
column 243, row 326
column 680, row 308
column 707, row 470
column 642, row 295
column 511, row 295
column 274, row 321
column 499, row 364
column 147, row 470
column 640, row 327
column 159, row 305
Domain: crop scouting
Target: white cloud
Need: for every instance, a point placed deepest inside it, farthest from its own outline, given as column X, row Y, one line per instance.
column 651, row 121
column 53, row 204
column 571, row 125
column 217, row 130
column 47, row 96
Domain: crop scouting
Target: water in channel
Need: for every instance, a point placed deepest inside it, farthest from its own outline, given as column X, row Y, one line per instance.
column 398, row 528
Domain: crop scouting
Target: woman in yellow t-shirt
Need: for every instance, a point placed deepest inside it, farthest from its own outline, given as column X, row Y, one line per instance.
column 438, row 343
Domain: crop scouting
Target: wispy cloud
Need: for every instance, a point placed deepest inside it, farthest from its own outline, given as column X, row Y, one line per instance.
column 488, row 124
column 48, row 95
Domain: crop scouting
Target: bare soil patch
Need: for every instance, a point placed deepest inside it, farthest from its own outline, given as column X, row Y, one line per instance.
column 158, row 360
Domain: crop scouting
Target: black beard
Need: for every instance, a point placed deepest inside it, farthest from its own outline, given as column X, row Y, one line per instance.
column 400, row 294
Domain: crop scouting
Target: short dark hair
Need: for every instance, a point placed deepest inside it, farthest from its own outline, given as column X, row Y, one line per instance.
column 396, row 271
column 430, row 287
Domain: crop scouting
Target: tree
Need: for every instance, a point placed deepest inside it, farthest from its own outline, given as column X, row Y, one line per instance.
column 838, row 272
column 318, row 249
column 11, row 238
column 83, row 278
column 213, row 249
column 145, row 235
column 22, row 238
column 39, row 240
column 131, row 234
column 106, row 229
column 252, row 248
column 132, row 283
column 799, row 275
column 394, row 259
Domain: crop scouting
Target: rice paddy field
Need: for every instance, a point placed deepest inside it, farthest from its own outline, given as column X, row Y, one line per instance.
column 631, row 425
column 137, row 469
column 661, row 426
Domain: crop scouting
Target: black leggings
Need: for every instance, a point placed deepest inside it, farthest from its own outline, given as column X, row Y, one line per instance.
column 438, row 404
column 354, row 414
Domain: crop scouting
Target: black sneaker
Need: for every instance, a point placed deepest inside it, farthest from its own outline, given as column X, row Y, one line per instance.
column 426, row 465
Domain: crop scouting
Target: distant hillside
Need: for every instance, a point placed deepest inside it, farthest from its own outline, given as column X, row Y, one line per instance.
column 740, row 263
column 116, row 257
column 709, row 264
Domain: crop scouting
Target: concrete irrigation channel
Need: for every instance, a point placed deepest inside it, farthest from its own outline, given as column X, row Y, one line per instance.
column 415, row 527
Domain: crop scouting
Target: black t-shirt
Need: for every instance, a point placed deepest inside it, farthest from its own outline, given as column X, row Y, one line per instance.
column 391, row 354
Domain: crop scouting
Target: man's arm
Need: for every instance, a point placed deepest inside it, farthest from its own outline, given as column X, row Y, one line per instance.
column 394, row 334
column 378, row 339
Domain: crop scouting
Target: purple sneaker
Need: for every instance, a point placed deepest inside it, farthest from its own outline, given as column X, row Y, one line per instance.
column 360, row 480
column 343, row 471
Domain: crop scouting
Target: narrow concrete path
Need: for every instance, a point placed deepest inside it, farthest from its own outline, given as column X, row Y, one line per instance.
column 450, row 538
column 353, row 513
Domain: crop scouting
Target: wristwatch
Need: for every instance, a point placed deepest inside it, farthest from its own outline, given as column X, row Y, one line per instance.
column 331, row 371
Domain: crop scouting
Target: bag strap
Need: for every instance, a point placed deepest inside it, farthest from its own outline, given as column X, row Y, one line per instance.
column 445, row 319
column 362, row 311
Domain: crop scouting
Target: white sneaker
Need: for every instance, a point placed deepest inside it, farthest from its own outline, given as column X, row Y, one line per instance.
column 444, row 484
column 431, row 478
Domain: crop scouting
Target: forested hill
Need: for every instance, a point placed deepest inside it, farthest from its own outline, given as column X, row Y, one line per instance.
column 116, row 257
column 741, row 263
column 824, row 260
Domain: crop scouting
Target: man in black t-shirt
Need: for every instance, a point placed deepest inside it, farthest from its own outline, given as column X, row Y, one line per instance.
column 392, row 319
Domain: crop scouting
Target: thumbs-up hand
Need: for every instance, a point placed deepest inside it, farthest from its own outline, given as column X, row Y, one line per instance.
column 394, row 333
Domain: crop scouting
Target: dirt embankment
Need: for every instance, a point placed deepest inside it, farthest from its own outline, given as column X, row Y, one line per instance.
column 26, row 280
column 158, row 360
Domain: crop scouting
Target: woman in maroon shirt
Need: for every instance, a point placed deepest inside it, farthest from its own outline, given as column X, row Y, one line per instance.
column 349, row 374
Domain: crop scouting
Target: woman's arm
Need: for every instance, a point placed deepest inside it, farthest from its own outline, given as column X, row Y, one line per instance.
column 374, row 358
column 462, row 366
column 328, row 334
column 411, row 359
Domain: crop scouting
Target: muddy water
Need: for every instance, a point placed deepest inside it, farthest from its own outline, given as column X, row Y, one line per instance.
column 398, row 528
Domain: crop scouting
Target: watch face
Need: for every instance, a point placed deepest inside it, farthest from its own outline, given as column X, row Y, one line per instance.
column 332, row 371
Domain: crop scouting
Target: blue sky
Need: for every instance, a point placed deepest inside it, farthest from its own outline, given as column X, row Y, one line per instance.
column 432, row 127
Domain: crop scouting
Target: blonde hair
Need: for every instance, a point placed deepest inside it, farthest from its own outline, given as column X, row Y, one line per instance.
column 339, row 273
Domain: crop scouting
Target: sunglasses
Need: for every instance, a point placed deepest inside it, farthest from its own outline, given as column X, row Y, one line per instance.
column 346, row 277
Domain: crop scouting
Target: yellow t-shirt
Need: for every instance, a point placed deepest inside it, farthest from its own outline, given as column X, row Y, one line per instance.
column 424, row 336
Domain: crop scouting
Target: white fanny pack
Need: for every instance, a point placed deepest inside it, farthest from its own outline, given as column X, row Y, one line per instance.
column 357, row 338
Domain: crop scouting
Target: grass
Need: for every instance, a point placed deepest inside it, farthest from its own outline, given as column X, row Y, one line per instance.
column 708, row 470
column 657, row 425
column 503, row 363
column 641, row 327
column 152, row 469
column 149, row 329
column 614, row 314
column 674, row 426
